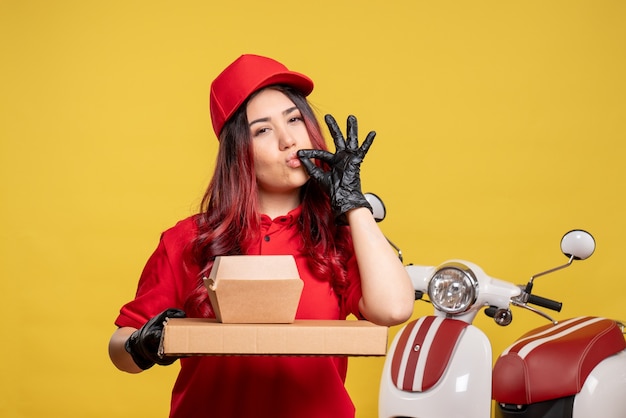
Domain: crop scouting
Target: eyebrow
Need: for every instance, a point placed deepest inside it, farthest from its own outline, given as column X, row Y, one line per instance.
column 267, row 119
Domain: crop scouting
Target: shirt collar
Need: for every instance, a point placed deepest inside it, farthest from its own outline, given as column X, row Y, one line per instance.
column 289, row 219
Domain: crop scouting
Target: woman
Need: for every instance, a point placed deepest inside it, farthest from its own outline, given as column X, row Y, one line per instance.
column 261, row 200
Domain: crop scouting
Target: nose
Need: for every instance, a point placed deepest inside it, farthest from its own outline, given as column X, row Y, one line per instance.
column 285, row 139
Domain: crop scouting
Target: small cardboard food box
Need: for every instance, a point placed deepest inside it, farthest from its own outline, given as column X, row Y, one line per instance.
column 255, row 299
column 247, row 289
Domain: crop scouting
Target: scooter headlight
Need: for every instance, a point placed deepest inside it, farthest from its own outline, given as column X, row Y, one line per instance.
column 453, row 288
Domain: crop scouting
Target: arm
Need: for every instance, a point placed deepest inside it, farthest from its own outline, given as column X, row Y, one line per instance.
column 134, row 344
column 388, row 295
column 387, row 292
column 117, row 351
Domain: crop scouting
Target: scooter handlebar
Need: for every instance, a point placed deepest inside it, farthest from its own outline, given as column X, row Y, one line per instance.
column 545, row 302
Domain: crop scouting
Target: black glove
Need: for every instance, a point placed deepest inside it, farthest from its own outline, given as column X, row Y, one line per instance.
column 143, row 344
column 343, row 181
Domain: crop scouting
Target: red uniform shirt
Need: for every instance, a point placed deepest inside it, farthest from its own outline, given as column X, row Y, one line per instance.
column 248, row 386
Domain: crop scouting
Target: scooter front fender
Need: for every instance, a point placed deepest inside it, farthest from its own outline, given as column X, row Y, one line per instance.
column 463, row 391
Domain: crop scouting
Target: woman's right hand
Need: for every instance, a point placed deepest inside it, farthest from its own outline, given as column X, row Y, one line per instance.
column 143, row 344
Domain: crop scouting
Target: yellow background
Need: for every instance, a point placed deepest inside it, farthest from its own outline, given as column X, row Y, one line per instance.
column 500, row 127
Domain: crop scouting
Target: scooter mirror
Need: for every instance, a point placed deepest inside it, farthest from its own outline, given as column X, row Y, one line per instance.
column 578, row 244
column 378, row 207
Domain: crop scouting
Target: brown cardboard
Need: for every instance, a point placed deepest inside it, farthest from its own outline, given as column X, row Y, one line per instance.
column 200, row 336
column 254, row 288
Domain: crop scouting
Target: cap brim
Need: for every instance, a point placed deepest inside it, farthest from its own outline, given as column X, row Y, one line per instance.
column 291, row 78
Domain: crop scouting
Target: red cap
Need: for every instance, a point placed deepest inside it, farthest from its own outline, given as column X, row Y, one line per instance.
column 244, row 76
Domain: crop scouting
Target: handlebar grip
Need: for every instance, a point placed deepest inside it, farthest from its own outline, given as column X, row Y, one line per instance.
column 545, row 302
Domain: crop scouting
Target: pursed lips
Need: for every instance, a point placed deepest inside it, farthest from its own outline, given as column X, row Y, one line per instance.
column 293, row 161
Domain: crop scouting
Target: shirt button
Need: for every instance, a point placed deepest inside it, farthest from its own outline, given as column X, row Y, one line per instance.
column 267, row 238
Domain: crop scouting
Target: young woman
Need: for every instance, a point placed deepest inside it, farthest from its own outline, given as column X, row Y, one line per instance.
column 276, row 189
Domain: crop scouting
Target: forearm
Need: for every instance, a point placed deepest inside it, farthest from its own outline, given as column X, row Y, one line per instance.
column 388, row 295
column 117, row 352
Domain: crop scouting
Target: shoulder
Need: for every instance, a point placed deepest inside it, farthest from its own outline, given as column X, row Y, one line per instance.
column 182, row 232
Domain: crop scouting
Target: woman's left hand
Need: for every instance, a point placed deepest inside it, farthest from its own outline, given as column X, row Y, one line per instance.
column 343, row 181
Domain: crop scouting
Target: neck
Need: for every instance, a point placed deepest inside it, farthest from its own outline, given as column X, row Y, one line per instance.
column 274, row 204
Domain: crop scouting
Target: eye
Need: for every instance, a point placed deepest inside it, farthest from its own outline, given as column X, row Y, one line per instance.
column 260, row 131
column 294, row 116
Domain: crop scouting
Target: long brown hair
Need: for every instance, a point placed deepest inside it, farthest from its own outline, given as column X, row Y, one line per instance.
column 229, row 222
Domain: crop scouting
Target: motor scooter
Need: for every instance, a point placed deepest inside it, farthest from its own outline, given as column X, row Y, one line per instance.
column 441, row 365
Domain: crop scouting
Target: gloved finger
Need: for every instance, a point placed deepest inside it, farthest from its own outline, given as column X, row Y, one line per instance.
column 174, row 313
column 157, row 321
column 335, row 132
column 308, row 165
column 151, row 332
column 352, row 132
column 319, row 154
column 157, row 334
column 365, row 146
column 314, row 171
column 166, row 360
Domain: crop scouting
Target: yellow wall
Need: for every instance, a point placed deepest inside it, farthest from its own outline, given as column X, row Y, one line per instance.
column 500, row 127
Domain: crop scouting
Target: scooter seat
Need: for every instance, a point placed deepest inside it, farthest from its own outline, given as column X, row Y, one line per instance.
column 553, row 361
